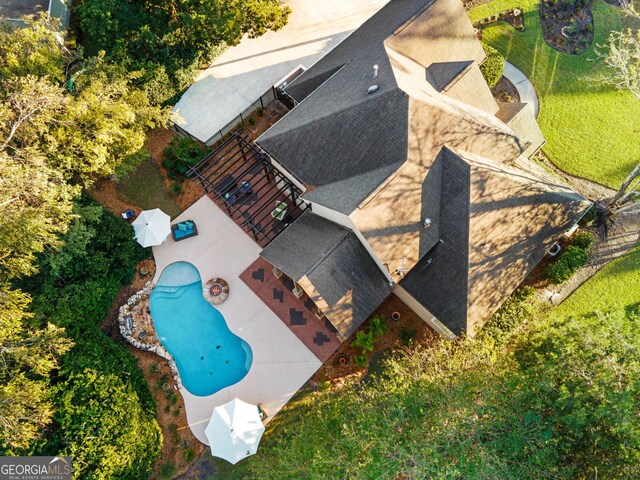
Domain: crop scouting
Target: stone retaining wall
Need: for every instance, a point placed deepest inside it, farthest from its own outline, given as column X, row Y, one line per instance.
column 131, row 311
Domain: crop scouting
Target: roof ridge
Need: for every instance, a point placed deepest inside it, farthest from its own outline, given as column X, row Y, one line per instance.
column 330, row 250
column 350, row 106
column 303, row 100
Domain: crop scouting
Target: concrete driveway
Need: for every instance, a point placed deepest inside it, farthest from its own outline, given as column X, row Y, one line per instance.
column 246, row 71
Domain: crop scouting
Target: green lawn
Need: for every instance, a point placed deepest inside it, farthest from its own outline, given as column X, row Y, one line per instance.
column 145, row 188
column 615, row 287
column 592, row 130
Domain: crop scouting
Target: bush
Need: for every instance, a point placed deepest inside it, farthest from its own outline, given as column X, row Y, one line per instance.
column 360, row 361
column 378, row 326
column 584, row 240
column 366, row 341
column 519, row 308
column 189, row 455
column 567, row 264
column 176, row 188
column 407, row 335
column 167, row 470
column 493, row 67
column 182, row 154
column 260, row 111
column 252, row 121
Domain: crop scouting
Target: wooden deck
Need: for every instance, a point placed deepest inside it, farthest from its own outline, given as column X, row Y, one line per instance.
column 243, row 182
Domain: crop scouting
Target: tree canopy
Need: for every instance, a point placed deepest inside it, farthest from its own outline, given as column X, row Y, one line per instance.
column 66, row 120
column 169, row 41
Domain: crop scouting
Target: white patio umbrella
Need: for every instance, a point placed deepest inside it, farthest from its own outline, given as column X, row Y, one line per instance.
column 234, row 430
column 152, row 227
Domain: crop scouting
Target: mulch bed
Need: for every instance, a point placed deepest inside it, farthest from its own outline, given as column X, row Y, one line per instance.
column 505, row 91
column 567, row 25
column 409, row 325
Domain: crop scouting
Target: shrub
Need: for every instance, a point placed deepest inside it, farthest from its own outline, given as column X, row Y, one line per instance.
column 182, row 154
column 563, row 269
column 366, row 341
column 378, row 326
column 519, row 308
column 584, row 240
column 252, row 121
column 167, row 470
column 176, row 188
column 493, row 67
column 360, row 361
column 189, row 455
column 407, row 335
column 260, row 111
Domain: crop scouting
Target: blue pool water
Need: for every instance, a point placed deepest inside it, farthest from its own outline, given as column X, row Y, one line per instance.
column 208, row 355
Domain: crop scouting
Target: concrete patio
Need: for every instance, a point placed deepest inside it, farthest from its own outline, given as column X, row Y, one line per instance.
column 281, row 362
column 246, row 71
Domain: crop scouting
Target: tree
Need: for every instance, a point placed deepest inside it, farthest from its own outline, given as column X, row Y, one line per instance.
column 622, row 56
column 53, row 142
column 27, row 357
column 169, row 40
column 102, row 129
column 36, row 49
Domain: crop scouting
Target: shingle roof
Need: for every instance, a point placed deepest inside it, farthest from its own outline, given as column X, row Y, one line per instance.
column 341, row 142
column 333, row 267
column 381, row 160
column 496, row 224
column 442, row 74
column 519, row 116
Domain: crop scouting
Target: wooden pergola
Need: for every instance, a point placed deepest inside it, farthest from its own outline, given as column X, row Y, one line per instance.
column 243, row 181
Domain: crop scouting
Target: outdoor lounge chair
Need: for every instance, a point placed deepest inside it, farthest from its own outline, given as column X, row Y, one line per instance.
column 280, row 212
column 184, row 230
column 128, row 215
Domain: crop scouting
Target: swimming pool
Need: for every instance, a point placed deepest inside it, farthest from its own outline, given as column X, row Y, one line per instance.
column 208, row 355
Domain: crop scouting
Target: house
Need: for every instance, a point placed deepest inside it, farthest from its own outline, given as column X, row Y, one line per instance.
column 13, row 12
column 419, row 182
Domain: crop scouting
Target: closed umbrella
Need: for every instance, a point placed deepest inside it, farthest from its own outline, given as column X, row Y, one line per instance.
column 152, row 227
column 234, row 430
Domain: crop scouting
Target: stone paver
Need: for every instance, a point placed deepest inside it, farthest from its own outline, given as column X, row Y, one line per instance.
column 298, row 314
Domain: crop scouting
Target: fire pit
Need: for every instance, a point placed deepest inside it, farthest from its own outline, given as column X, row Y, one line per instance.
column 216, row 291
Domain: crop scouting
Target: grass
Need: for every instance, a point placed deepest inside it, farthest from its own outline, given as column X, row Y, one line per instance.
column 145, row 188
column 615, row 287
column 591, row 129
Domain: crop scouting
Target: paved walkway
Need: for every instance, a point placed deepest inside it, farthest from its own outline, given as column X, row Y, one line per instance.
column 525, row 88
column 246, row 71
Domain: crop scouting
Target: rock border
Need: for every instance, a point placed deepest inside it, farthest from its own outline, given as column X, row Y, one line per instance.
column 126, row 317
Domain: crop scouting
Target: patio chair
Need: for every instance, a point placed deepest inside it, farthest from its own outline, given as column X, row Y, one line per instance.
column 128, row 215
column 280, row 212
